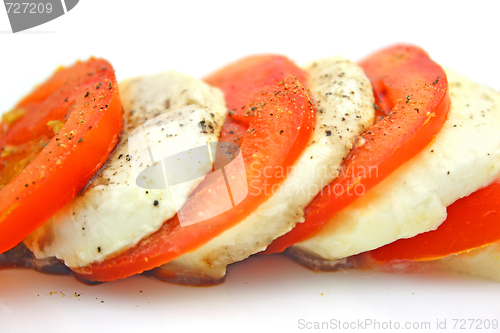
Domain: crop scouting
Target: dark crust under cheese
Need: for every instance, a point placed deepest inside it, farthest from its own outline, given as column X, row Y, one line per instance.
column 21, row 257
column 361, row 261
column 318, row 264
column 183, row 277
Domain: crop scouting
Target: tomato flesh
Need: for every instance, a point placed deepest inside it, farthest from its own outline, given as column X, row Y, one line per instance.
column 271, row 118
column 414, row 92
column 60, row 136
column 471, row 222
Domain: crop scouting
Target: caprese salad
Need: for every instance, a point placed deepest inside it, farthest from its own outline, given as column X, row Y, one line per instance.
column 337, row 164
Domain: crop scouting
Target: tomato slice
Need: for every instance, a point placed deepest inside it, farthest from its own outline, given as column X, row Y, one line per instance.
column 53, row 142
column 471, row 222
column 271, row 117
column 414, row 92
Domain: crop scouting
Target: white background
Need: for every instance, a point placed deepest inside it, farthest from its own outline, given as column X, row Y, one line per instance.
column 260, row 294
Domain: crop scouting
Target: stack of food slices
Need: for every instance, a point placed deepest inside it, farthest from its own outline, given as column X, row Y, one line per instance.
column 339, row 165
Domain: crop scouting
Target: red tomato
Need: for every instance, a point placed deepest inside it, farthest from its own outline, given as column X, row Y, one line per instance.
column 271, row 117
column 472, row 222
column 414, row 92
column 53, row 142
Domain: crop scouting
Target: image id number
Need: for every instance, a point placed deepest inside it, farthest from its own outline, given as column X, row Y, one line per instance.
column 28, row 8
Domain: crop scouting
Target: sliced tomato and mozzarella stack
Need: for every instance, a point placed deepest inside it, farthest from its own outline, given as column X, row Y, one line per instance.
column 468, row 238
column 344, row 101
column 339, row 160
column 450, row 187
column 53, row 142
column 115, row 229
column 113, row 213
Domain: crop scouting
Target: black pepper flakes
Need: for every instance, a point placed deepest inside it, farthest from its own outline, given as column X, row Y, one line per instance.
column 203, row 126
column 156, row 203
column 328, row 133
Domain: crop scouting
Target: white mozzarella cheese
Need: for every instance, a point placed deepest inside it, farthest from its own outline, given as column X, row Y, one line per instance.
column 483, row 261
column 114, row 213
column 344, row 100
column 464, row 157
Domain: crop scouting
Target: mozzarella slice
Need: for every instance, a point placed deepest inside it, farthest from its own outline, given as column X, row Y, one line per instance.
column 483, row 261
column 344, row 100
column 464, row 157
column 114, row 213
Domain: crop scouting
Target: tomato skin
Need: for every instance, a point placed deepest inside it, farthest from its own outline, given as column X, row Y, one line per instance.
column 472, row 222
column 414, row 92
column 93, row 122
column 256, row 88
